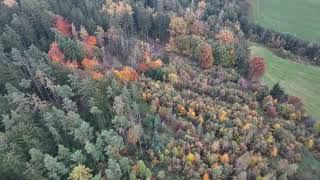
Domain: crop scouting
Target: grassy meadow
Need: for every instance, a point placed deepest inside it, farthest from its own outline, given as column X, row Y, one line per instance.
column 297, row 79
column 300, row 17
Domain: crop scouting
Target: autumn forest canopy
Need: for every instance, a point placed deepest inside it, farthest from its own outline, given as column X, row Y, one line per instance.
column 152, row 89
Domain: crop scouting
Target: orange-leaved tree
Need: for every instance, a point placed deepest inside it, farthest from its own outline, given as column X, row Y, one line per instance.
column 225, row 36
column 155, row 64
column 55, row 54
column 72, row 64
column 91, row 40
column 143, row 67
column 62, row 26
column 90, row 63
column 127, row 74
column 96, row 75
column 206, row 56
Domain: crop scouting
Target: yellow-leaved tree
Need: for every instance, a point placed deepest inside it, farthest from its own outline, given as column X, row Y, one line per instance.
column 177, row 26
column 80, row 172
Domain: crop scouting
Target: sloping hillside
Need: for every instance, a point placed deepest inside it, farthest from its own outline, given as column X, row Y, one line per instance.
column 152, row 90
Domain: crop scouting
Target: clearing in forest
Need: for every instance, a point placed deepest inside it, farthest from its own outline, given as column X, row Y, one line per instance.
column 297, row 79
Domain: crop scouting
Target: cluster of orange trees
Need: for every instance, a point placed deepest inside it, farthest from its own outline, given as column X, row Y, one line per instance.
column 91, row 63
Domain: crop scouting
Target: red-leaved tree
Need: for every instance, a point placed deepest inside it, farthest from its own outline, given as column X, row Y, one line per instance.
column 257, row 68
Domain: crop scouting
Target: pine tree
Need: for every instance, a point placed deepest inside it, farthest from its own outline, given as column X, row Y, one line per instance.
column 55, row 169
column 113, row 171
column 277, row 92
column 10, row 39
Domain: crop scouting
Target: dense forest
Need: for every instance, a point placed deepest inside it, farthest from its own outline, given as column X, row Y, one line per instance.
column 144, row 89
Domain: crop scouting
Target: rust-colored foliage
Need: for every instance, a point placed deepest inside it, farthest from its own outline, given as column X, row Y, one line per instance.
column 127, row 74
column 225, row 36
column 91, row 40
column 96, row 75
column 224, row 158
column 55, row 54
column 62, row 26
column 72, row 65
column 205, row 176
column 257, row 68
column 295, row 101
column 143, row 67
column 155, row 64
column 191, row 113
column 90, row 63
column 181, row 109
column 206, row 56
column 274, row 152
column 247, row 126
column 199, row 28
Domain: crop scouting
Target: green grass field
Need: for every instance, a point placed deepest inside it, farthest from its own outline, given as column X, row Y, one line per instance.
column 297, row 79
column 300, row 17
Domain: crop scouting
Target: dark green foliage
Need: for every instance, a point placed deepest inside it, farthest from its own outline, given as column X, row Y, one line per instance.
column 242, row 57
column 224, row 56
column 10, row 39
column 160, row 25
column 262, row 93
column 165, row 58
column 277, row 92
column 23, row 26
column 149, row 121
column 156, row 74
column 143, row 20
column 8, row 71
column 72, row 49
